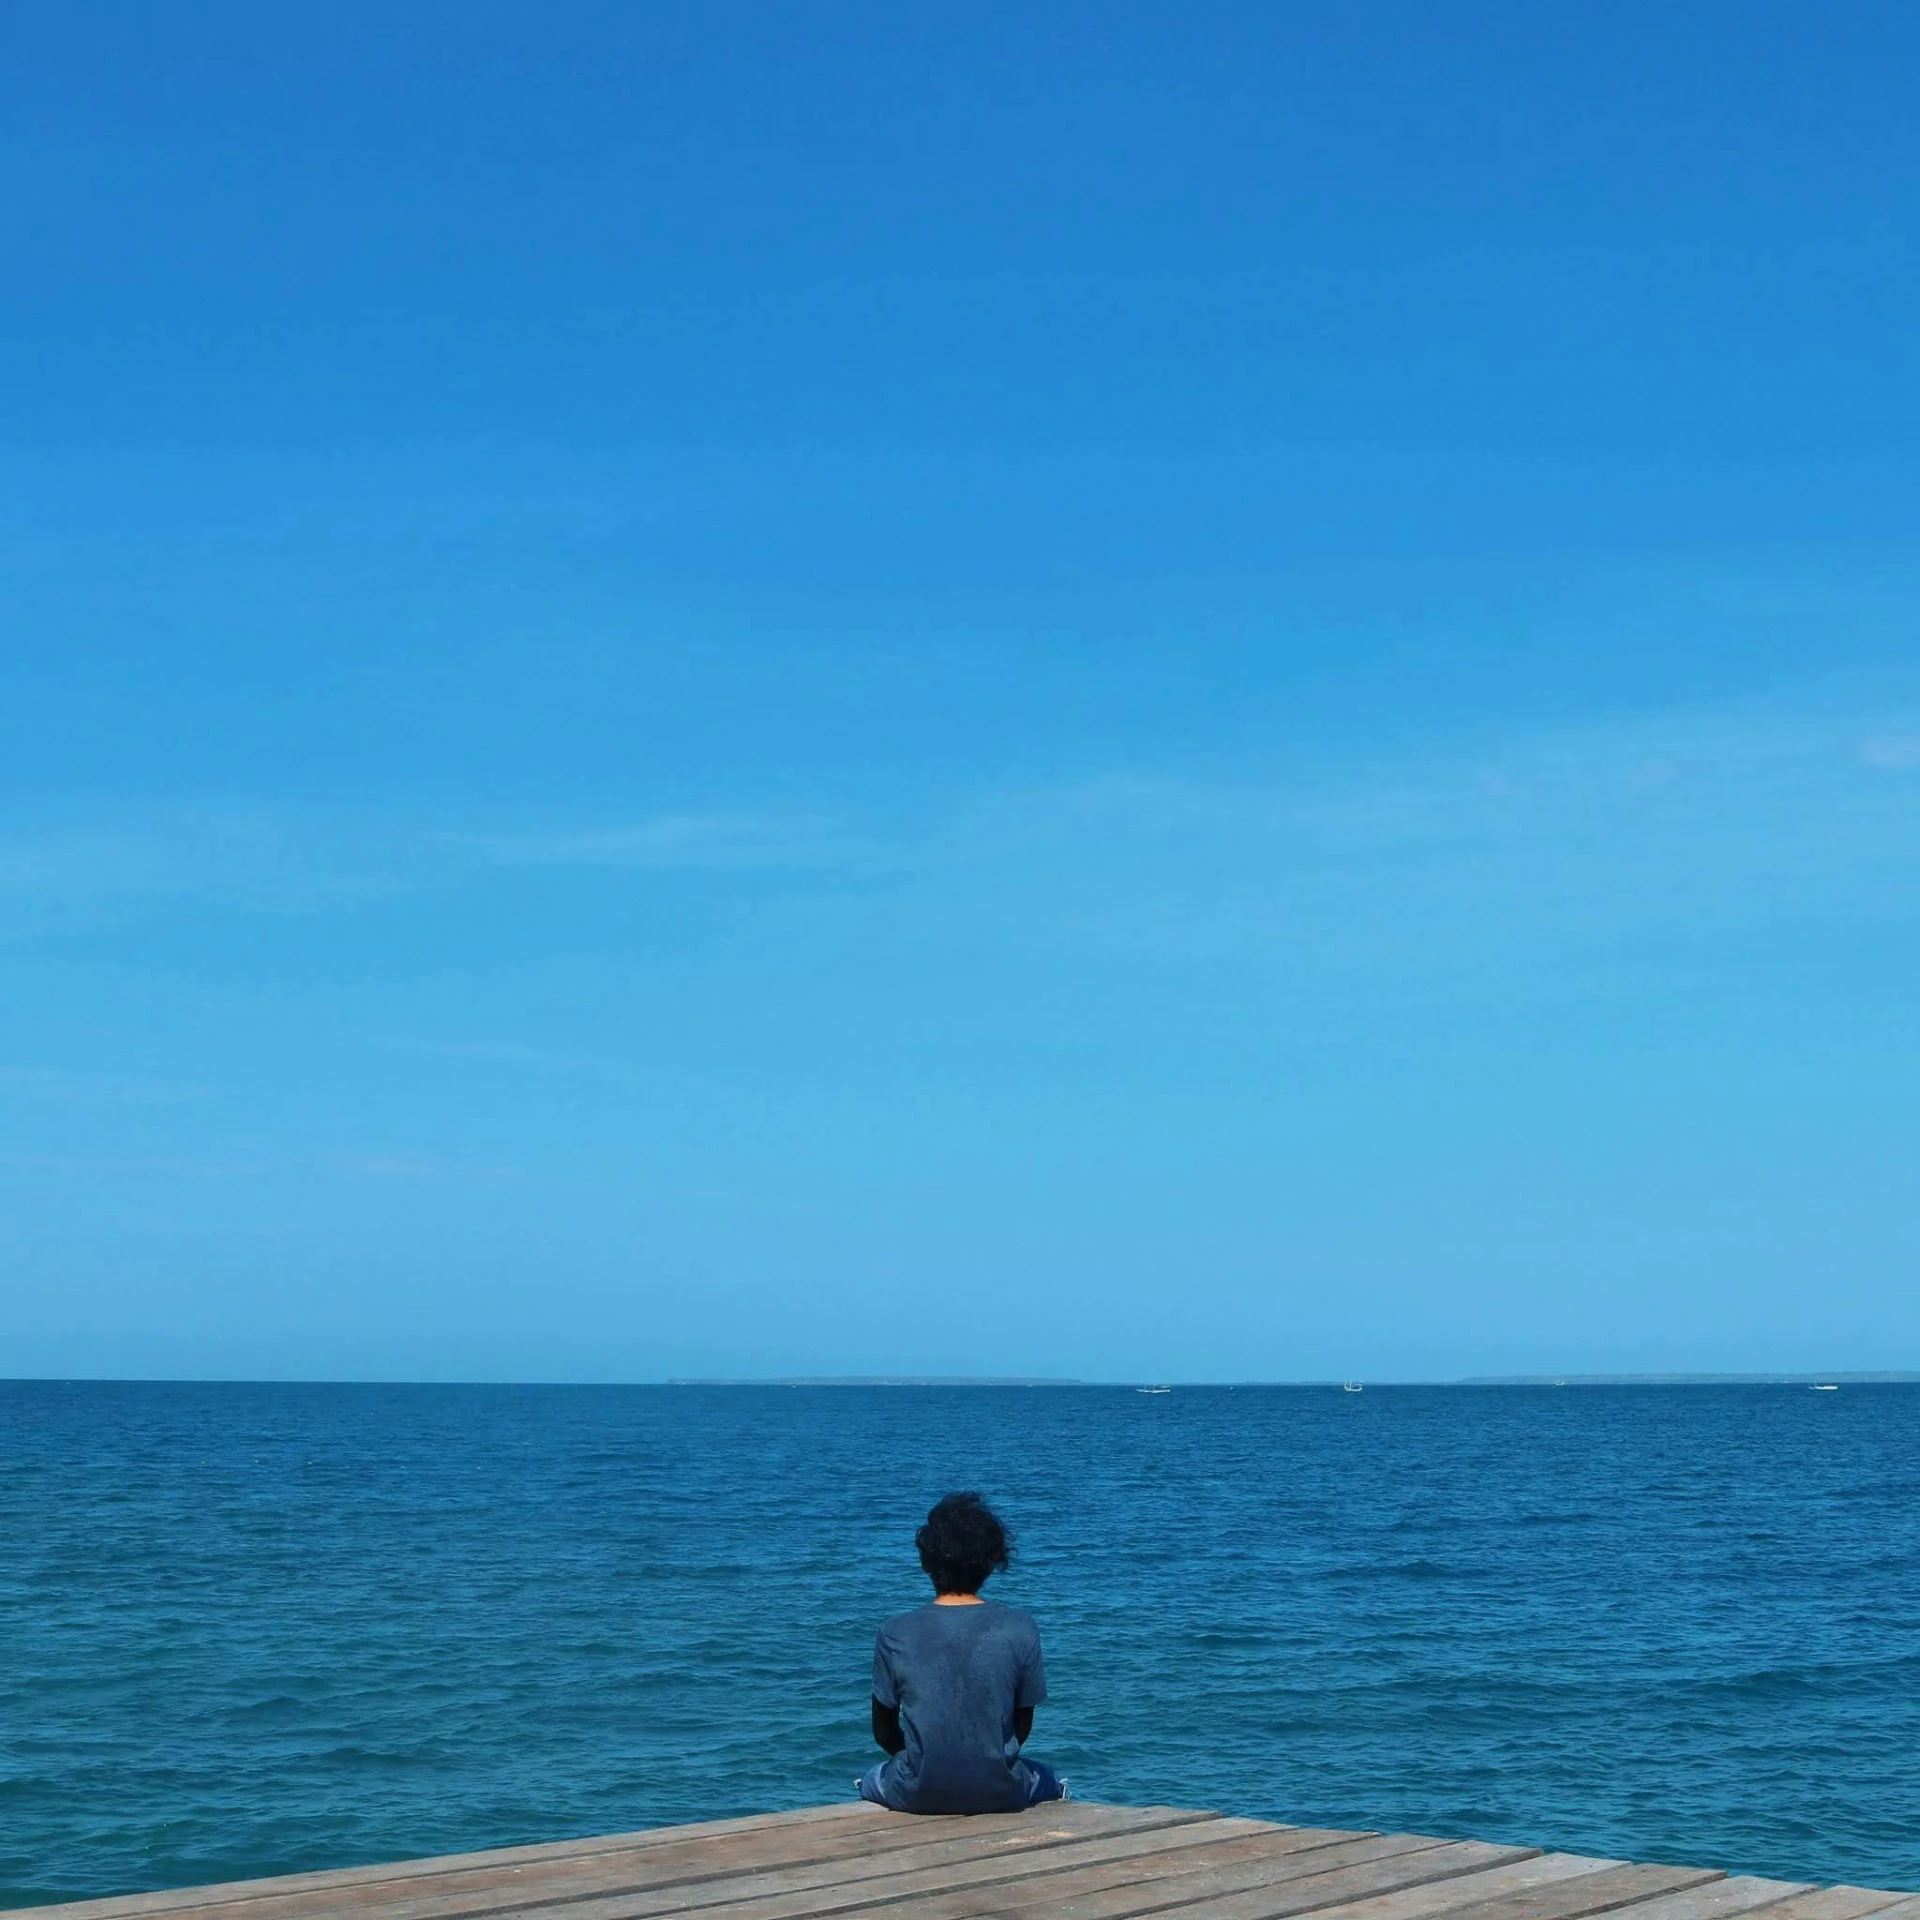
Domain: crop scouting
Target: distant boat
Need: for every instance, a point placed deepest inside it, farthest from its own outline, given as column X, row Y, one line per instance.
column 1351, row 1386
column 1153, row 1389
column 1825, row 1386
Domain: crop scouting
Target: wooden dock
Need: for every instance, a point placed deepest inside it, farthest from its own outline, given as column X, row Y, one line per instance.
column 1077, row 1861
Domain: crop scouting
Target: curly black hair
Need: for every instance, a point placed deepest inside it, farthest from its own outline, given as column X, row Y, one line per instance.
column 962, row 1543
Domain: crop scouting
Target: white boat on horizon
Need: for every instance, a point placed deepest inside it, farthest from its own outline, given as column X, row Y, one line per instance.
column 1351, row 1386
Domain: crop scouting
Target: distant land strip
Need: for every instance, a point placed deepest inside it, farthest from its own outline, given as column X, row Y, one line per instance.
column 887, row 1380
column 1474, row 1380
column 1689, row 1380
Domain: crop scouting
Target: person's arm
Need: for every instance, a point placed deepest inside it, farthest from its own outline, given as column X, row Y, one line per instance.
column 886, row 1699
column 1030, row 1688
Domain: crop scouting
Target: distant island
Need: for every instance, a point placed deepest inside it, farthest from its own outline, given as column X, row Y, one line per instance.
column 1689, row 1379
column 1475, row 1380
column 884, row 1380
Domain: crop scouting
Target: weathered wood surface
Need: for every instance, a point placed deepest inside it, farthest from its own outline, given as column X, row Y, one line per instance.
column 1074, row 1861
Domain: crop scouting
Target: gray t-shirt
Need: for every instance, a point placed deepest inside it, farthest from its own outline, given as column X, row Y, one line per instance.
column 957, row 1676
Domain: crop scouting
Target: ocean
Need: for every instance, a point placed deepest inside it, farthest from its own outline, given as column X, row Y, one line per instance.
column 259, row 1629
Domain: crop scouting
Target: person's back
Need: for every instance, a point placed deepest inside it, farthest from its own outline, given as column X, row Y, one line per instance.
column 955, row 1682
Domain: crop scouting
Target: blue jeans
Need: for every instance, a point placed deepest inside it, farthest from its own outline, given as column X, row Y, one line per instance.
column 1042, row 1783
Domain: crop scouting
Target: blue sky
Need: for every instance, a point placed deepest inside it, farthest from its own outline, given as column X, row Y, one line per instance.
column 1111, row 691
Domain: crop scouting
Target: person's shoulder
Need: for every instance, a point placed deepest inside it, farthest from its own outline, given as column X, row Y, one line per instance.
column 1015, row 1619
column 901, row 1626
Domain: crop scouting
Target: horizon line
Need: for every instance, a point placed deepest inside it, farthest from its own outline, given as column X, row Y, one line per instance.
column 1842, row 1377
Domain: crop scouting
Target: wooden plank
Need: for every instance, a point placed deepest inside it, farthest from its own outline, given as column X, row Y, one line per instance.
column 849, row 1814
column 1436, row 1895
column 669, row 1854
column 1066, row 1861
column 1297, row 1893
column 1053, row 1882
column 1256, row 1859
column 1128, row 1887
column 1742, row 1893
column 1591, row 1893
column 841, row 1886
column 1032, row 1847
column 1143, row 1860
column 1836, row 1903
column 667, row 1877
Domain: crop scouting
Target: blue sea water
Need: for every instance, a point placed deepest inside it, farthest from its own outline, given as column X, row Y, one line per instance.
column 256, row 1629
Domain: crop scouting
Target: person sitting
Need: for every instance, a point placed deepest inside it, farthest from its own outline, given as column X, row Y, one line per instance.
column 955, row 1682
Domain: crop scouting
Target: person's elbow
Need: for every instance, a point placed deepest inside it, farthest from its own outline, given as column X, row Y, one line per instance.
column 886, row 1728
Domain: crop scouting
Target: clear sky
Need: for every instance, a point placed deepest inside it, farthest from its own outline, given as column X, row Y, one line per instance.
column 1187, row 692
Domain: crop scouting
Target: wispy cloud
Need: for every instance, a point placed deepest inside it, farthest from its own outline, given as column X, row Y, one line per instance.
column 521, row 1057
column 1702, row 819
column 667, row 842
column 55, row 874
column 1894, row 752
column 59, row 876
column 69, row 1086
column 1694, row 818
